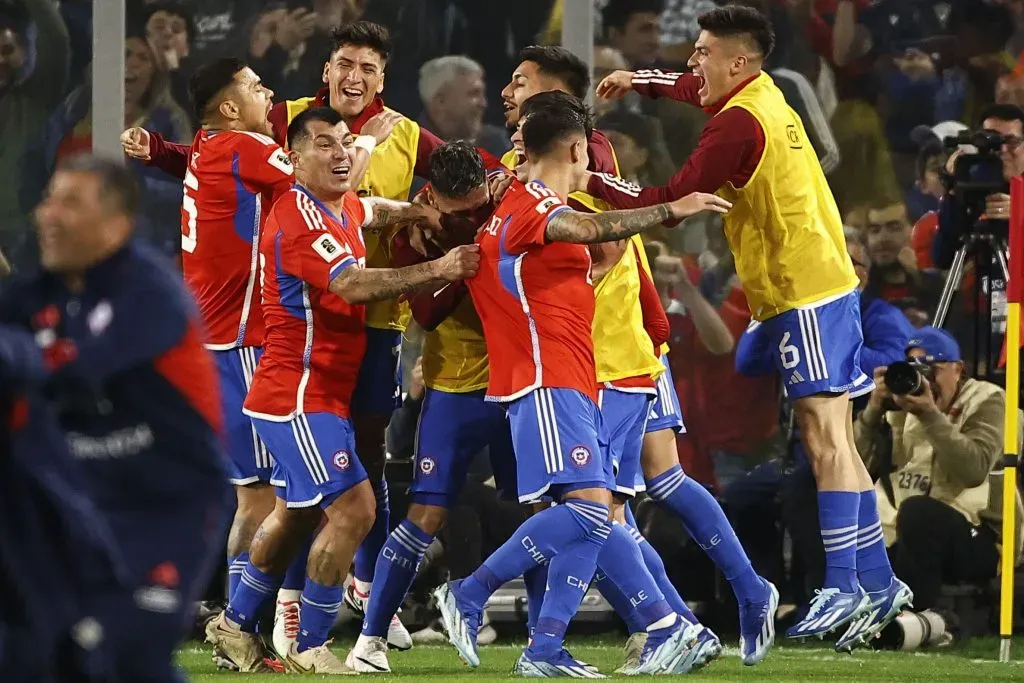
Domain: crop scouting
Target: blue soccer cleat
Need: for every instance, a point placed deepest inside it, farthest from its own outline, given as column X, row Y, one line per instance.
column 885, row 606
column 668, row 650
column 560, row 665
column 757, row 625
column 461, row 621
column 829, row 610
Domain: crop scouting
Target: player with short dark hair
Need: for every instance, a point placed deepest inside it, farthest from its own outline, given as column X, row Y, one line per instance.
column 117, row 343
column 315, row 287
column 787, row 236
column 536, row 303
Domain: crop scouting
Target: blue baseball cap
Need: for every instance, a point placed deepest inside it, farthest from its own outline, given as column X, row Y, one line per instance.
column 937, row 344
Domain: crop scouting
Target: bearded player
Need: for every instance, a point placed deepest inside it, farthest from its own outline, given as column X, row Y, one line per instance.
column 545, row 69
column 786, row 234
column 535, row 300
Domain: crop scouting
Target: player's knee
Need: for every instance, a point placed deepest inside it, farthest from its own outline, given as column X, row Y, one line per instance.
column 618, row 508
column 659, row 453
column 428, row 518
column 594, row 495
column 354, row 512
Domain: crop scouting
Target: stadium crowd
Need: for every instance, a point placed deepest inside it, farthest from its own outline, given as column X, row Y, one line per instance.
column 879, row 86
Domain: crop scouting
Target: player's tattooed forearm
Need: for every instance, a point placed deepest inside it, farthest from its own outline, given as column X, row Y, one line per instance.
column 387, row 212
column 590, row 228
column 363, row 285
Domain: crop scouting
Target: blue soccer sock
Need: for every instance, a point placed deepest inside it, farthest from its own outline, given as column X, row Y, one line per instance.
column 253, row 591
column 623, row 564
column 236, row 565
column 706, row 523
column 320, row 605
column 873, row 569
column 656, row 566
column 369, row 550
column 536, row 581
column 569, row 576
column 837, row 516
column 535, row 542
column 395, row 572
column 295, row 576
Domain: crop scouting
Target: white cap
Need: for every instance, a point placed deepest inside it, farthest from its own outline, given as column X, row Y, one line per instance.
column 923, row 135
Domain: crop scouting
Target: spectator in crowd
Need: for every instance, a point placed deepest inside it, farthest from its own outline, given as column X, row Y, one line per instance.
column 31, row 85
column 639, row 147
column 148, row 103
column 633, row 27
column 933, row 480
column 222, row 27
column 931, row 160
column 290, row 44
column 607, row 60
column 894, row 276
column 454, row 99
column 169, row 30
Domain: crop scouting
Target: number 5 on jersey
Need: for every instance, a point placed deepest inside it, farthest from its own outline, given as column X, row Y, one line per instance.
column 189, row 234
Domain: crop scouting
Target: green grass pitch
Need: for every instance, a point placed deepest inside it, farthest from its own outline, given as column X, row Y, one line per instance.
column 973, row 661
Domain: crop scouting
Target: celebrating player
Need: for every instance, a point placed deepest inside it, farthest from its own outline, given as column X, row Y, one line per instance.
column 315, row 286
column 786, row 234
column 535, row 300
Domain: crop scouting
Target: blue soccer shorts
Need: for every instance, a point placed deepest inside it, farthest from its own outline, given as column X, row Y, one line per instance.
column 817, row 348
column 379, row 383
column 316, row 455
column 250, row 461
column 665, row 411
column 624, row 414
column 453, row 429
column 559, row 444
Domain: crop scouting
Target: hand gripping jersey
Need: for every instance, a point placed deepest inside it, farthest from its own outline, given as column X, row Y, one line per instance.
column 314, row 340
column 232, row 179
column 535, row 299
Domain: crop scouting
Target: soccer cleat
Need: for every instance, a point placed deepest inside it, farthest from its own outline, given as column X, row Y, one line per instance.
column 707, row 649
column 671, row 653
column 316, row 660
column 561, row 665
column 633, row 649
column 757, row 626
column 286, row 626
column 461, row 622
column 369, row 656
column 885, row 606
column 829, row 610
column 240, row 649
column 398, row 635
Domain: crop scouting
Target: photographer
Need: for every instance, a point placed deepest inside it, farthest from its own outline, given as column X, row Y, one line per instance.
column 933, row 482
column 1007, row 121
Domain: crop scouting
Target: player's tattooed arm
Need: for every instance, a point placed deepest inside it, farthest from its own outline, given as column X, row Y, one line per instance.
column 382, row 213
column 364, row 285
column 591, row 228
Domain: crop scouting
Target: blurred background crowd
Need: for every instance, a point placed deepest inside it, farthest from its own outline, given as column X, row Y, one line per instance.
column 878, row 83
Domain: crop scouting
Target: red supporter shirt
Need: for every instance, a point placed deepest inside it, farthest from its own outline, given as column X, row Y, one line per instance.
column 535, row 299
column 315, row 340
column 729, row 149
column 232, row 179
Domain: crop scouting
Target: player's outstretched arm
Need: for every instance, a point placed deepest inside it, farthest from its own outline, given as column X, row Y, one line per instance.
column 590, row 228
column 365, row 285
column 382, row 213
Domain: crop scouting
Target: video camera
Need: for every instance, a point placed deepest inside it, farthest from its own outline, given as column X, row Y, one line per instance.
column 975, row 176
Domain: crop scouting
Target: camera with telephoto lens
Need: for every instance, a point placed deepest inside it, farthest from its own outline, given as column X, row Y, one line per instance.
column 975, row 176
column 904, row 378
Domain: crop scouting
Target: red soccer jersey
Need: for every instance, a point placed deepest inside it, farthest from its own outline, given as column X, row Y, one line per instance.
column 315, row 341
column 535, row 299
column 232, row 178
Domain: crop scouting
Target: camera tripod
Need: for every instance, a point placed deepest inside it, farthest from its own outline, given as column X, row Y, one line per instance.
column 979, row 246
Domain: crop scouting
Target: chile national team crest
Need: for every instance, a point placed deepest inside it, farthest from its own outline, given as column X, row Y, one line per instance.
column 427, row 466
column 342, row 460
column 580, row 456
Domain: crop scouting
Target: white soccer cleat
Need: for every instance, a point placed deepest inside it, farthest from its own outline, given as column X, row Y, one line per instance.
column 633, row 649
column 316, row 660
column 398, row 635
column 286, row 626
column 369, row 656
column 239, row 648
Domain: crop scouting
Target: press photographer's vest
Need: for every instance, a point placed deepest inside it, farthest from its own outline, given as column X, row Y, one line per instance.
column 622, row 348
column 917, row 474
column 784, row 228
column 389, row 176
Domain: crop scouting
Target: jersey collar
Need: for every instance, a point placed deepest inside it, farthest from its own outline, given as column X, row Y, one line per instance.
column 323, row 207
column 374, row 108
column 720, row 104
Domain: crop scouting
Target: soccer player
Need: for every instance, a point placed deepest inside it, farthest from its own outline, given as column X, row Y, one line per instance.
column 235, row 171
column 315, row 287
column 786, row 234
column 535, row 300
column 546, row 69
column 136, row 397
